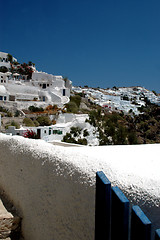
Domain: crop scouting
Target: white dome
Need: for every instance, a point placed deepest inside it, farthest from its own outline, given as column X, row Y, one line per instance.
column 3, row 89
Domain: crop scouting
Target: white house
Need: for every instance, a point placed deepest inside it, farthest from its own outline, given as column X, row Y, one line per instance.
column 4, row 96
column 42, row 87
column 4, row 60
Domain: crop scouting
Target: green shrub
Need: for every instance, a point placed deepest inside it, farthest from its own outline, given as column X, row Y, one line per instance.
column 28, row 122
column 68, row 138
column 82, row 141
column 36, row 123
column 85, row 133
column 9, row 114
column 17, row 113
column 76, row 99
column 44, row 121
column 75, row 131
column 13, row 123
column 35, row 109
column 71, row 107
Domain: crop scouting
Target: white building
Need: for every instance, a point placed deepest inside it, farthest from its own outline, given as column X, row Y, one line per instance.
column 4, row 96
column 43, row 87
column 4, row 60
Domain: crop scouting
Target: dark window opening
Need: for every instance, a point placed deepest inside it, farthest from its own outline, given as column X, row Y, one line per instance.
column 44, row 85
column 64, row 92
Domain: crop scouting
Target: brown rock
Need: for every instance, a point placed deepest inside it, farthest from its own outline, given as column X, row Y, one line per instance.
column 8, row 222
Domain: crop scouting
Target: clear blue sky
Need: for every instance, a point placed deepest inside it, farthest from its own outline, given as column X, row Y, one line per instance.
column 101, row 43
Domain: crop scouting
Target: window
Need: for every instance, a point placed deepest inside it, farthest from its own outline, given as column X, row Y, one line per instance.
column 1, row 97
column 45, row 131
column 64, row 92
column 47, row 85
column 5, row 98
column 49, row 131
column 1, row 81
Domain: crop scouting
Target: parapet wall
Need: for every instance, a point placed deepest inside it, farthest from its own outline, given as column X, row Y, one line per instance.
column 53, row 187
column 53, row 202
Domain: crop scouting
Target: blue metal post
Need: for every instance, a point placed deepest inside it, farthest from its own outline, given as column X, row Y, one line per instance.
column 103, row 207
column 157, row 234
column 119, row 215
column 140, row 225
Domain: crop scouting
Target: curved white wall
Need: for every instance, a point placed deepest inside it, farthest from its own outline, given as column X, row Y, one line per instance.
column 54, row 187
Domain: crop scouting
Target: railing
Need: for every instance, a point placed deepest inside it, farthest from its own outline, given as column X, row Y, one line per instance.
column 114, row 220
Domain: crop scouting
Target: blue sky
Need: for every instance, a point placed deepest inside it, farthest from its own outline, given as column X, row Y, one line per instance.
column 101, row 43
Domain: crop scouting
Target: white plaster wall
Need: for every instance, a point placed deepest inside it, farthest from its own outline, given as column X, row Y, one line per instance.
column 54, row 201
column 5, row 64
column 41, row 76
column 53, row 187
column 58, row 83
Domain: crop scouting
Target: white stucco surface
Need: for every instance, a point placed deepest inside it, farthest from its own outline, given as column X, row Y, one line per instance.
column 54, row 187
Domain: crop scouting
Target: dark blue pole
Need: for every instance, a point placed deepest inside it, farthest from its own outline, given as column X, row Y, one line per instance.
column 119, row 215
column 103, row 207
column 140, row 225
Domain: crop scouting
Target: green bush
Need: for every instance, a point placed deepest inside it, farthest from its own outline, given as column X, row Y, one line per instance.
column 35, row 109
column 13, row 123
column 85, row 133
column 17, row 113
column 28, row 122
column 9, row 114
column 75, row 131
column 71, row 107
column 76, row 99
column 82, row 141
column 44, row 121
column 68, row 138
column 36, row 123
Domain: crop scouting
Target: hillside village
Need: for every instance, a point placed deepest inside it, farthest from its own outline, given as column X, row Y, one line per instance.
column 40, row 105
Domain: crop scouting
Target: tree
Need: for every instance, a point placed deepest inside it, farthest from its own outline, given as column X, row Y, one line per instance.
column 10, row 58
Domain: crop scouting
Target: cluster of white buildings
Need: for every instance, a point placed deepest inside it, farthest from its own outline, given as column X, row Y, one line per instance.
column 119, row 99
column 56, row 132
column 42, row 87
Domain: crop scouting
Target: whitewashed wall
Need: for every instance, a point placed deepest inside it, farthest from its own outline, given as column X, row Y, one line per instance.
column 54, row 201
column 54, row 187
